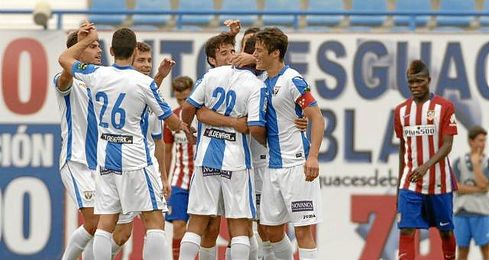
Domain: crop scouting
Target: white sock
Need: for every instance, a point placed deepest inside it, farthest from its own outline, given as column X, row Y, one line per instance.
column 283, row 249
column 308, row 254
column 267, row 251
column 189, row 247
column 240, row 248
column 207, row 253
column 102, row 245
column 78, row 241
column 115, row 248
column 228, row 253
column 88, row 251
column 253, row 248
column 155, row 246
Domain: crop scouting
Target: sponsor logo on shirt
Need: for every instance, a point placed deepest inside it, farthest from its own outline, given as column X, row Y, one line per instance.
column 220, row 134
column 419, row 130
column 119, row 139
column 207, row 171
column 303, row 205
column 104, row 171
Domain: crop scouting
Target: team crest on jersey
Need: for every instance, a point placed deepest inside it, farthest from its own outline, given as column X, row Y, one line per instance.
column 430, row 115
column 82, row 66
column 453, row 121
column 89, row 195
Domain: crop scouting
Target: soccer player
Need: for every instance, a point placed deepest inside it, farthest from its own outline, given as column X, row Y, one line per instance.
column 79, row 143
column 291, row 187
column 153, row 128
column 177, row 146
column 471, row 207
column 425, row 125
column 223, row 157
column 125, row 182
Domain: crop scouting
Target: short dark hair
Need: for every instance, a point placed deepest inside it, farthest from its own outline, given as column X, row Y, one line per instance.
column 182, row 83
column 250, row 45
column 273, row 39
column 251, row 30
column 417, row 67
column 143, row 47
column 475, row 131
column 216, row 42
column 72, row 39
column 123, row 43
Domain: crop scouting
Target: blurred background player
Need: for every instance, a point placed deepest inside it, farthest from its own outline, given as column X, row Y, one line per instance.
column 78, row 159
column 124, row 184
column 425, row 125
column 290, row 190
column 178, row 147
column 471, row 207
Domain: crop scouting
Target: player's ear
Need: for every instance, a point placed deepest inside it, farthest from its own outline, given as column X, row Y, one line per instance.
column 111, row 51
column 211, row 61
column 276, row 53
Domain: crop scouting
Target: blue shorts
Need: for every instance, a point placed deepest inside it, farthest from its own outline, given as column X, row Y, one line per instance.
column 422, row 211
column 467, row 227
column 177, row 205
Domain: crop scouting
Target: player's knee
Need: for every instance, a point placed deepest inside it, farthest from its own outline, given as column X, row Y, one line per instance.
column 121, row 236
column 178, row 229
column 90, row 228
column 303, row 233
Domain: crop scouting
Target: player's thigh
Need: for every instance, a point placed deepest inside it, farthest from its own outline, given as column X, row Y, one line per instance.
column 205, row 192
column 273, row 210
column 79, row 182
column 153, row 219
column 302, row 198
column 238, row 195
column 410, row 210
column 107, row 196
column 440, row 210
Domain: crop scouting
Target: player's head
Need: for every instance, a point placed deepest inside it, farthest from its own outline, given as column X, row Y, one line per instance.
column 142, row 59
column 182, row 86
column 220, row 49
column 91, row 55
column 247, row 34
column 123, row 44
column 418, row 77
column 271, row 46
column 477, row 138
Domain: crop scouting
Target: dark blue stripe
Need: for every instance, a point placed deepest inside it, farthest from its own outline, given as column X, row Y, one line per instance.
column 91, row 138
column 298, row 110
column 113, row 156
column 247, row 152
column 77, row 192
column 167, row 111
column 151, row 190
column 193, row 103
column 214, row 154
column 263, row 99
column 144, row 130
column 82, row 68
column 250, row 196
column 275, row 160
column 70, row 127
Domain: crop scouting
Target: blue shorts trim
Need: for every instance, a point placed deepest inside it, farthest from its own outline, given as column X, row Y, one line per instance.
column 177, row 205
column 422, row 211
column 471, row 227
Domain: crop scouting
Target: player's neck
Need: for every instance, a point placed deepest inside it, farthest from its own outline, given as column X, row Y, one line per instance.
column 422, row 99
column 275, row 68
column 123, row 62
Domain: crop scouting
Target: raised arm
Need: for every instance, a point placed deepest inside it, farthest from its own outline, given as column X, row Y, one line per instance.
column 163, row 70
column 70, row 55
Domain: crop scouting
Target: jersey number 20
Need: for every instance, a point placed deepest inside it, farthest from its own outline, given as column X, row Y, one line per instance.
column 230, row 100
column 116, row 110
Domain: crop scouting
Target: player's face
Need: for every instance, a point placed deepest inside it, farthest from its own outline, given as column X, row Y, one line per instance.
column 224, row 54
column 262, row 57
column 478, row 143
column 419, row 86
column 182, row 96
column 143, row 62
column 92, row 54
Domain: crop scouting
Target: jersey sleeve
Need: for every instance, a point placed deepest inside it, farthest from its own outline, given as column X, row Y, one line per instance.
column 197, row 98
column 301, row 93
column 397, row 123
column 157, row 128
column 84, row 72
column 257, row 106
column 448, row 122
column 168, row 137
column 55, row 84
column 153, row 99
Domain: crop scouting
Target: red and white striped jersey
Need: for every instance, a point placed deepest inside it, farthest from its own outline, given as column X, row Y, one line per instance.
column 422, row 127
column 183, row 155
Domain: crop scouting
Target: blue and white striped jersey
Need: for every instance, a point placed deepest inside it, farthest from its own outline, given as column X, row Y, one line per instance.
column 154, row 131
column 231, row 92
column 121, row 98
column 78, row 125
column 287, row 145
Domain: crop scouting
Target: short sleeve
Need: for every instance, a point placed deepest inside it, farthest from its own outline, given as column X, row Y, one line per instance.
column 168, row 137
column 55, row 84
column 84, row 72
column 448, row 122
column 257, row 105
column 157, row 128
column 153, row 99
column 197, row 98
column 301, row 93
column 397, row 123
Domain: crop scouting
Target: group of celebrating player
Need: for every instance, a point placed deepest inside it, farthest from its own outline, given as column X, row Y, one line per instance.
column 248, row 158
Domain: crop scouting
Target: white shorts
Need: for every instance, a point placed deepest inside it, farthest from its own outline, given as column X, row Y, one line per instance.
column 79, row 182
column 259, row 172
column 129, row 191
column 235, row 189
column 288, row 197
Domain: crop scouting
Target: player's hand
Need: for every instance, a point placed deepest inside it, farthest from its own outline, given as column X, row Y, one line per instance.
column 418, row 173
column 191, row 136
column 243, row 59
column 233, row 25
column 301, row 123
column 165, row 67
column 241, row 125
column 311, row 168
column 166, row 190
column 84, row 30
